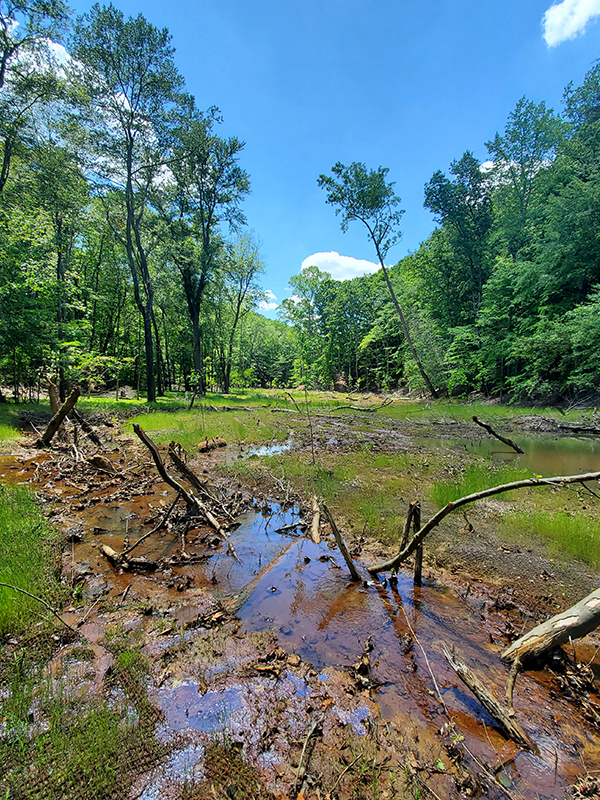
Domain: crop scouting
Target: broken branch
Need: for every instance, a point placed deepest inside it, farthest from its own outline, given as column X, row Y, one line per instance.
column 342, row 545
column 406, row 551
column 58, row 418
column 574, row 623
column 500, row 713
column 504, row 439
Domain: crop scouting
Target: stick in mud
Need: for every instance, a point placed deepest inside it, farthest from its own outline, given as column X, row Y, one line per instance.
column 418, row 579
column 501, row 713
column 504, row 439
column 342, row 545
column 315, row 533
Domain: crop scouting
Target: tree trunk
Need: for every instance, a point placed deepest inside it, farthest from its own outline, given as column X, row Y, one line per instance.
column 404, row 324
column 58, row 418
column 574, row 623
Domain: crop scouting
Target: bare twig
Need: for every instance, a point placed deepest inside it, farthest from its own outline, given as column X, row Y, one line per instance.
column 342, row 545
column 39, row 599
column 504, row 439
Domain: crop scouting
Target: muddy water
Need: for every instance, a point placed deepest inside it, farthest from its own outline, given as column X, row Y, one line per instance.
column 545, row 454
column 301, row 591
column 318, row 614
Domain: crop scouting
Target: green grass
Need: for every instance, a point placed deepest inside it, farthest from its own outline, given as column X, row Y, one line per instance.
column 87, row 749
column 189, row 428
column 28, row 558
column 473, row 479
column 575, row 535
column 366, row 490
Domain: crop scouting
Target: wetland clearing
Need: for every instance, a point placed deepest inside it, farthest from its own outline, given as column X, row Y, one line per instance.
column 229, row 653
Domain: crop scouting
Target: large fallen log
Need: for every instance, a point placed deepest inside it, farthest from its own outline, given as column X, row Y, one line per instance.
column 417, row 539
column 58, row 418
column 574, row 623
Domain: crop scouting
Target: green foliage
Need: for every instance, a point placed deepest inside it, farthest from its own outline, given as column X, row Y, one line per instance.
column 573, row 535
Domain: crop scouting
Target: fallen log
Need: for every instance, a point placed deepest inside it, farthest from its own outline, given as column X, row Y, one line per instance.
column 574, row 623
column 561, row 480
column 189, row 498
column 342, row 545
column 58, row 418
column 500, row 712
column 504, row 439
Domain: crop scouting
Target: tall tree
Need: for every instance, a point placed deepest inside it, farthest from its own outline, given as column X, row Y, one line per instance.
column 128, row 69
column 528, row 145
column 28, row 74
column 206, row 192
column 464, row 205
column 364, row 195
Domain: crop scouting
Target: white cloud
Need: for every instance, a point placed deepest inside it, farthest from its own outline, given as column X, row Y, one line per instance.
column 269, row 303
column 341, row 268
column 568, row 19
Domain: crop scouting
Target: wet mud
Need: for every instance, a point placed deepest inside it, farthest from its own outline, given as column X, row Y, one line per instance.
column 260, row 653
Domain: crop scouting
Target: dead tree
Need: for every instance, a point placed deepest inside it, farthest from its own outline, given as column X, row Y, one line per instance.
column 574, row 623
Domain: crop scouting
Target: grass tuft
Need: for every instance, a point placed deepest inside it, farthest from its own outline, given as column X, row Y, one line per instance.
column 28, row 547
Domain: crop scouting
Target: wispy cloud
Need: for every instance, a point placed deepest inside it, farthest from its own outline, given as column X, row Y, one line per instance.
column 568, row 19
column 269, row 302
column 341, row 268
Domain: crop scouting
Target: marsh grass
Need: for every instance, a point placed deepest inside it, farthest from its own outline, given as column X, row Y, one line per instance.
column 371, row 492
column 189, row 428
column 475, row 478
column 29, row 556
column 565, row 534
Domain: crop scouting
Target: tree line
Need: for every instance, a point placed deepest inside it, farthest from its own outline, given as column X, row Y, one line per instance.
column 124, row 256
column 504, row 296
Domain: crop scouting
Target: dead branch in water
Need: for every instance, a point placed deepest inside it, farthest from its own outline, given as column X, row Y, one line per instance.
column 574, row 623
column 155, row 529
column 394, row 563
column 342, row 545
column 189, row 498
column 504, row 439
column 501, row 713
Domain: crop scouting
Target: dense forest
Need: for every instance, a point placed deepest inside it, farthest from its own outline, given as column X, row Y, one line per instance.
column 125, row 256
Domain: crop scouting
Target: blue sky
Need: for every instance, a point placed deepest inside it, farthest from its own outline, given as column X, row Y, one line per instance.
column 307, row 83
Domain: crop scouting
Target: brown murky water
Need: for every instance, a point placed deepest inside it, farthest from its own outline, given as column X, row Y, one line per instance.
column 301, row 591
column 545, row 454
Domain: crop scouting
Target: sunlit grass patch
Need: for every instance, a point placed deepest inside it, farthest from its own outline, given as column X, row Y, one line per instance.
column 575, row 535
column 28, row 548
column 475, row 478
column 189, row 428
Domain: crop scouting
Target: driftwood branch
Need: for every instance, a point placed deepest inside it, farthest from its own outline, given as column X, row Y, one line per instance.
column 58, row 418
column 342, row 545
column 393, row 563
column 504, row 439
column 497, row 710
column 87, row 428
column 315, row 533
column 385, row 403
column 574, row 623
column 189, row 498
column 39, row 599
column 418, row 579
